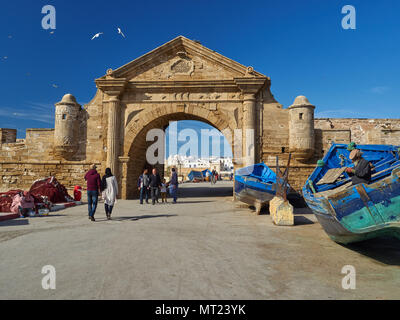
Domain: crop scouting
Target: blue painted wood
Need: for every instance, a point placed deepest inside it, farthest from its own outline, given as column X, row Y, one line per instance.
column 363, row 211
column 255, row 184
column 195, row 175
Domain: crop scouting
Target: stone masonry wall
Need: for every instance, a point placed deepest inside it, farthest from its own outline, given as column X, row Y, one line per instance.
column 364, row 131
column 23, row 162
column 21, row 175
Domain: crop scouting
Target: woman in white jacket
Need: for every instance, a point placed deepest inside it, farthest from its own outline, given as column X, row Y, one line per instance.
column 109, row 194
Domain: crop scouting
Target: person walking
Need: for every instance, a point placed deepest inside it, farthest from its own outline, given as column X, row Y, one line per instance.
column 93, row 186
column 143, row 186
column 213, row 176
column 155, row 183
column 173, row 185
column 109, row 190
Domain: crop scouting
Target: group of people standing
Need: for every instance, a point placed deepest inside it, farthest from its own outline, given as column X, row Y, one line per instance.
column 213, row 176
column 148, row 185
column 151, row 186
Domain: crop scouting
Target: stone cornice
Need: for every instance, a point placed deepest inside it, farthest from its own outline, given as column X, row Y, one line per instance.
column 250, row 85
column 238, row 101
column 112, row 86
column 166, row 84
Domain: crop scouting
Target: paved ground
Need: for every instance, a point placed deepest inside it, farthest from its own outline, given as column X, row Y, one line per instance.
column 205, row 247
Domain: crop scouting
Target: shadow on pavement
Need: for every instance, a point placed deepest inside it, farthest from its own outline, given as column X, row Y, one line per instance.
column 205, row 190
column 134, row 218
column 385, row 250
column 300, row 220
column 14, row 222
column 296, row 200
column 185, row 202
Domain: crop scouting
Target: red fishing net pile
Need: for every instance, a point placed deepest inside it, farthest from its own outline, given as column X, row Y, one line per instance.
column 6, row 199
column 50, row 188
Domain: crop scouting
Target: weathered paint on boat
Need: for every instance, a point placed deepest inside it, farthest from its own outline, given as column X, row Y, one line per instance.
column 255, row 185
column 195, row 175
column 362, row 211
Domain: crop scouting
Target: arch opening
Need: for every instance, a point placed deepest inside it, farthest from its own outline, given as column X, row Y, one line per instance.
column 137, row 150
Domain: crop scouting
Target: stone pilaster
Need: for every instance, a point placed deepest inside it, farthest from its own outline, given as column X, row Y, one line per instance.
column 124, row 174
column 250, row 86
column 249, row 127
column 114, row 115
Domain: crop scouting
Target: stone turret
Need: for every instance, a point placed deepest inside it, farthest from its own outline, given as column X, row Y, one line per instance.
column 8, row 135
column 65, row 130
column 301, row 129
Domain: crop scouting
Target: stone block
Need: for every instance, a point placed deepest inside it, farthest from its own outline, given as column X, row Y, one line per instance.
column 281, row 212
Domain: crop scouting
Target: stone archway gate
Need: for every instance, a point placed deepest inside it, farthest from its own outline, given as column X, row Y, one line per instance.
column 179, row 80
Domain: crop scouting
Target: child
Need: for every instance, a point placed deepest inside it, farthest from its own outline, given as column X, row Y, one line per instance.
column 164, row 191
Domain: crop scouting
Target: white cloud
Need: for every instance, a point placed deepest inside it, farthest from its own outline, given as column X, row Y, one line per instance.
column 33, row 111
column 380, row 89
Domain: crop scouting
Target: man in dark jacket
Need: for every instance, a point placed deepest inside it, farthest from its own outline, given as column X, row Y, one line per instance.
column 155, row 183
column 143, row 186
column 93, row 186
column 173, row 185
column 361, row 173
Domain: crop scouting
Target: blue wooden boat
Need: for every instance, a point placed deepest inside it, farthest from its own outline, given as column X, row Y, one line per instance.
column 350, row 213
column 255, row 185
column 195, row 176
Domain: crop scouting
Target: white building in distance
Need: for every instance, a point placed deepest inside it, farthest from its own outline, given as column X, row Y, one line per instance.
column 217, row 163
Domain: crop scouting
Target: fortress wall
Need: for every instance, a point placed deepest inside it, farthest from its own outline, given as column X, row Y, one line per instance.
column 326, row 131
column 22, row 174
column 364, row 131
column 23, row 162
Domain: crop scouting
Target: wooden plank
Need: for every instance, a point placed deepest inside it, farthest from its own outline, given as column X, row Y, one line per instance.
column 331, row 175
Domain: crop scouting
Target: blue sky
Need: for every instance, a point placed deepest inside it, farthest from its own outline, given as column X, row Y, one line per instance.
column 191, row 138
column 299, row 44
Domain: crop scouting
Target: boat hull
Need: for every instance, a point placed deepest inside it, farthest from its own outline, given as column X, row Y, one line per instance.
column 252, row 196
column 360, row 212
column 338, row 233
column 255, row 185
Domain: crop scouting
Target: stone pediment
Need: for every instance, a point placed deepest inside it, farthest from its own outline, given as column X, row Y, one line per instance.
column 182, row 59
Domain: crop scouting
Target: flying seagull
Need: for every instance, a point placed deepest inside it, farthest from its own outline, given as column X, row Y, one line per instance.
column 97, row 35
column 120, row 32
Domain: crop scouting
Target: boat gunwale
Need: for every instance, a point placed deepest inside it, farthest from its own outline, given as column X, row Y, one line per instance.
column 313, row 176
